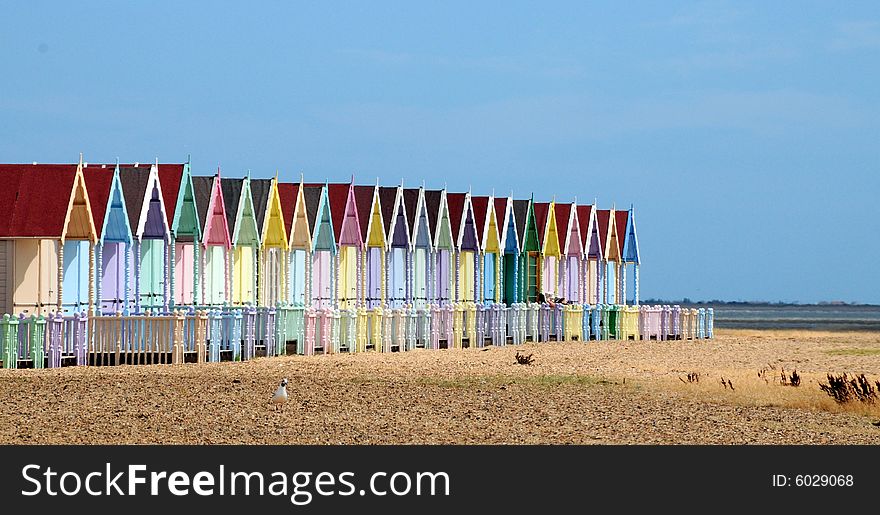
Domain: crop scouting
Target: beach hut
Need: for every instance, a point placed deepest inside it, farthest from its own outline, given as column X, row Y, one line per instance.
column 114, row 237
column 548, row 241
column 571, row 246
column 47, row 238
column 149, row 223
column 592, row 250
column 509, row 243
column 273, row 241
column 241, row 219
column 443, row 246
column 373, row 235
column 397, row 244
column 321, row 275
column 530, row 250
column 490, row 249
column 186, row 232
column 630, row 253
column 464, row 232
column 421, row 246
column 299, row 241
column 610, row 255
column 215, row 241
column 347, row 236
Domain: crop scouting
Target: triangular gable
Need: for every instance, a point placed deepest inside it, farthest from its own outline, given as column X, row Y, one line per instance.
column 322, row 232
column 261, row 192
column 421, row 232
column 530, row 232
column 364, row 197
column 398, row 232
column 443, row 237
column 509, row 239
column 631, row 247
column 179, row 199
column 107, row 203
column 144, row 202
column 432, row 206
column 273, row 233
column 215, row 226
column 620, row 222
column 388, row 203
column 376, row 226
column 79, row 223
column 480, row 206
column 589, row 227
column 568, row 229
column 467, row 235
column 489, row 237
column 411, row 199
column 608, row 235
column 295, row 220
column 346, row 224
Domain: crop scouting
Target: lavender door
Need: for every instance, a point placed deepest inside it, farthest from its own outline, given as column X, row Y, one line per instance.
column 442, row 276
column 112, row 278
column 374, row 277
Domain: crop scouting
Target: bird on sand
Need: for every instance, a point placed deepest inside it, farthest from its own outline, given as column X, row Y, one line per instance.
column 280, row 396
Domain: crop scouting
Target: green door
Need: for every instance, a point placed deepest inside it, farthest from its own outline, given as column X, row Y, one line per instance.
column 509, row 278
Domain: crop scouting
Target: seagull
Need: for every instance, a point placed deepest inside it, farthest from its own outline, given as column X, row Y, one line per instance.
column 280, row 396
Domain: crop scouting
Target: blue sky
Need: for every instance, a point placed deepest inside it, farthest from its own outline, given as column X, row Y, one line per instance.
column 747, row 134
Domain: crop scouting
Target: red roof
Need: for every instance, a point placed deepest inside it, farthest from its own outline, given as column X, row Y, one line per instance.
column 602, row 216
column 287, row 193
column 563, row 215
column 34, row 199
column 620, row 218
column 455, row 202
column 583, row 215
column 98, row 183
column 170, row 176
column 501, row 217
column 338, row 195
column 542, row 209
column 481, row 208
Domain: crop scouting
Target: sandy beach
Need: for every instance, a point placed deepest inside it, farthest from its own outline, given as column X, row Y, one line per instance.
column 635, row 392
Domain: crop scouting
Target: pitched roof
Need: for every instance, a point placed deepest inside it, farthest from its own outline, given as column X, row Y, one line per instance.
column 542, row 210
column 563, row 216
column 34, row 199
column 203, row 187
column 260, row 190
column 387, row 196
column 583, row 214
column 287, row 193
column 170, row 176
column 501, row 215
column 481, row 209
column 312, row 198
column 432, row 203
column 135, row 181
column 337, row 193
column 231, row 189
column 602, row 216
column 620, row 219
column 98, row 183
column 363, row 199
column 455, row 201
column 410, row 203
column 520, row 213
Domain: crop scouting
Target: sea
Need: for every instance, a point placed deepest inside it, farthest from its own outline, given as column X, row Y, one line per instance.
column 807, row 317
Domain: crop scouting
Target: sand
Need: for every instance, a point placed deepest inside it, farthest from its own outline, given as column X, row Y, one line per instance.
column 573, row 393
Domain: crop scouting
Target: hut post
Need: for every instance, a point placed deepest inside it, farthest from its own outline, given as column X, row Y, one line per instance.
column 137, row 277
column 168, row 272
column 59, row 273
column 334, row 281
column 383, row 296
column 171, row 272
column 623, row 282
column 99, row 258
column 92, row 269
column 126, row 307
column 204, row 266
column 457, row 282
column 197, row 257
column 636, row 286
column 358, row 275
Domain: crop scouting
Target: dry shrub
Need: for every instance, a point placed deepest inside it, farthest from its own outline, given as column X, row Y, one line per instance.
column 522, row 359
column 844, row 389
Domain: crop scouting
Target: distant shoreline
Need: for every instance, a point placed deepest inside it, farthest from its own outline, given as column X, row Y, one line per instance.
column 746, row 304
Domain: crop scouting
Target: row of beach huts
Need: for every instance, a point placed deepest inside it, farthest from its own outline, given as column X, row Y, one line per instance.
column 120, row 263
